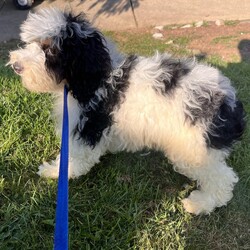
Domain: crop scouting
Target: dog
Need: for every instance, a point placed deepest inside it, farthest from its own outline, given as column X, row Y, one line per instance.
column 184, row 108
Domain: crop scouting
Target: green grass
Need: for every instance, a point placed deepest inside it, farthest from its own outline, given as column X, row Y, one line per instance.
column 231, row 22
column 223, row 39
column 144, row 44
column 128, row 201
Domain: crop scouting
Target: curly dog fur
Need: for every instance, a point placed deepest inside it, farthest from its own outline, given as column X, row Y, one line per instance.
column 186, row 109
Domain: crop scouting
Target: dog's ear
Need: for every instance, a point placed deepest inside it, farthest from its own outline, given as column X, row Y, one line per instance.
column 79, row 55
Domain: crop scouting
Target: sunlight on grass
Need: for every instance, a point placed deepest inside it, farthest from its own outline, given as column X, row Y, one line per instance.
column 128, row 201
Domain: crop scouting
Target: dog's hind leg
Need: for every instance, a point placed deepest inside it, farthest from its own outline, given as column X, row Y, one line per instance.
column 215, row 181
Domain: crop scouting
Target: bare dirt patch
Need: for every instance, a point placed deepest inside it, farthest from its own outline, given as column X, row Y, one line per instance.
column 231, row 42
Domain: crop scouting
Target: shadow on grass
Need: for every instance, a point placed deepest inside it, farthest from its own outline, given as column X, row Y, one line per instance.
column 130, row 198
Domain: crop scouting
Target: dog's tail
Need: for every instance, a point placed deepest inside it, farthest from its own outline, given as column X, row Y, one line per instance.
column 228, row 126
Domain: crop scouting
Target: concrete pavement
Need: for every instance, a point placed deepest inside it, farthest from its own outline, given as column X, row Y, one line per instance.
column 118, row 15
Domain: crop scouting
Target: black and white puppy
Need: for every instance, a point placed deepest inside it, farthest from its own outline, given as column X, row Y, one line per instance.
column 183, row 108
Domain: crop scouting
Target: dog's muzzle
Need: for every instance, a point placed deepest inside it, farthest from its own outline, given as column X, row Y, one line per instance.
column 18, row 68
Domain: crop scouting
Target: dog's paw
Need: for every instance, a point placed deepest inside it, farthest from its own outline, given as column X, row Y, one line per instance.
column 199, row 203
column 48, row 170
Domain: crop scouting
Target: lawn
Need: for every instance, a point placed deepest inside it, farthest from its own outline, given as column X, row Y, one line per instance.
column 128, row 201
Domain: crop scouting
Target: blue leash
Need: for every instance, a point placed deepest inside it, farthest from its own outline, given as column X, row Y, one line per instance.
column 61, row 227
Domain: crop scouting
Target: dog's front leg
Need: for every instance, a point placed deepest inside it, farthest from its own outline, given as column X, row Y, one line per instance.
column 81, row 159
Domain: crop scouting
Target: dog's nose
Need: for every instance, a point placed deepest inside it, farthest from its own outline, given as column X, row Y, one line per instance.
column 18, row 68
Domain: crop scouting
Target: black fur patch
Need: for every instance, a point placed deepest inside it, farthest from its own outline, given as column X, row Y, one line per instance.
column 227, row 126
column 120, row 83
column 176, row 69
column 207, row 106
column 100, row 118
column 82, row 59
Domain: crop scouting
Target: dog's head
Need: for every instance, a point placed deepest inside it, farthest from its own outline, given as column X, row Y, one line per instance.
column 61, row 48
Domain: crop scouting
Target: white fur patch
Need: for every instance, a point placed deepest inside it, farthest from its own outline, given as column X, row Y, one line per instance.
column 34, row 76
column 44, row 24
